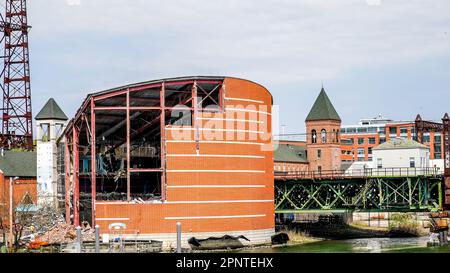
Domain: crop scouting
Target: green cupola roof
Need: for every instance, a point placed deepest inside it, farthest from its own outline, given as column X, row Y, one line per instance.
column 51, row 110
column 323, row 109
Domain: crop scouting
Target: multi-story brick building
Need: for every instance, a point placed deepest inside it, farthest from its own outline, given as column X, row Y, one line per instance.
column 357, row 141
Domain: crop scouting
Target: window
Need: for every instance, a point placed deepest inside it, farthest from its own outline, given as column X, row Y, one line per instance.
column 324, row 136
column 372, row 130
column 437, row 148
column 426, row 137
column 347, row 141
column 45, row 132
column 59, row 128
column 412, row 162
column 319, row 169
column 361, row 141
column 314, row 136
column 392, row 131
column 379, row 163
column 370, row 151
column 382, row 140
column 382, row 130
column 403, row 131
column 362, row 130
column 372, row 140
column 361, row 152
column 319, row 153
column 437, row 138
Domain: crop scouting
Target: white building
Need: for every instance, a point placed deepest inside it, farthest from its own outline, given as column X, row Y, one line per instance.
column 51, row 122
column 401, row 153
column 398, row 157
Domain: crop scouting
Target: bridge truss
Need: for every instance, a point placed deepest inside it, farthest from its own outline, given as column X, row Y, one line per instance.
column 419, row 193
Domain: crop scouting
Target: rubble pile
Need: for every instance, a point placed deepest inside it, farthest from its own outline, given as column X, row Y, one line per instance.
column 45, row 219
column 49, row 226
column 65, row 233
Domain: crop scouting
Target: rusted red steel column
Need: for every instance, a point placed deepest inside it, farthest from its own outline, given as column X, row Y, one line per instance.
column 76, row 178
column 195, row 118
column 93, row 161
column 67, row 177
column 128, row 147
column 163, row 140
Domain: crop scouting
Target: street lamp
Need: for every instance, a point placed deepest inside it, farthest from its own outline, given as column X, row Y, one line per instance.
column 11, row 210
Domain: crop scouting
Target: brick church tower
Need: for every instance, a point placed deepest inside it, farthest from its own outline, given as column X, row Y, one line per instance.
column 323, row 126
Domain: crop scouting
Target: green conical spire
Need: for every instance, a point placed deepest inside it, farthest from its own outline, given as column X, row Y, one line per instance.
column 51, row 110
column 323, row 109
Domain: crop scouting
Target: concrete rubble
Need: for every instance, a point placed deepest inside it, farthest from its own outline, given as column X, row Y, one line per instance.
column 49, row 226
column 64, row 233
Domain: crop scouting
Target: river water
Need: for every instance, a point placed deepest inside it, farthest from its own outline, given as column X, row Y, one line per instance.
column 372, row 245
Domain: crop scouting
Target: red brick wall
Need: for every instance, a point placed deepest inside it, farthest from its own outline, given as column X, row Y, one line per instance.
column 20, row 188
column 291, row 167
column 330, row 150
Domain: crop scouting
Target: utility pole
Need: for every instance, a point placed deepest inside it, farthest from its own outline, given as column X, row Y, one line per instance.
column 10, row 213
column 11, row 205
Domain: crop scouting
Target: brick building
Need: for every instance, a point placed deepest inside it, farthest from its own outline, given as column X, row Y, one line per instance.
column 21, row 167
column 194, row 150
column 359, row 140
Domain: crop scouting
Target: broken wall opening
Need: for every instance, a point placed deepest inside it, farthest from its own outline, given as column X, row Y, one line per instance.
column 111, row 154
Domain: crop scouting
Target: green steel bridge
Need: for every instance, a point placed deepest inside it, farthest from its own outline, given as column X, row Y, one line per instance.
column 393, row 189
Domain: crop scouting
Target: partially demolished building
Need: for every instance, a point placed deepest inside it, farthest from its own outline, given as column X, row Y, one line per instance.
column 194, row 150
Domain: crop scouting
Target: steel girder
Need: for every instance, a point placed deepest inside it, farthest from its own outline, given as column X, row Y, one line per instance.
column 382, row 194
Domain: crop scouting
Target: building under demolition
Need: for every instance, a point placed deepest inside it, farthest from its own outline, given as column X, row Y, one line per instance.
column 194, row 150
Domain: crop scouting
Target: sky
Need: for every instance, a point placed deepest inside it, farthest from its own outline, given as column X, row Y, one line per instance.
column 389, row 57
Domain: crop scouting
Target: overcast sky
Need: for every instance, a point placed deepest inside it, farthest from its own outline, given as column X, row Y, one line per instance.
column 373, row 56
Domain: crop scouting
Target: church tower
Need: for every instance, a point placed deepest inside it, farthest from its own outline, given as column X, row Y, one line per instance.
column 50, row 122
column 323, row 126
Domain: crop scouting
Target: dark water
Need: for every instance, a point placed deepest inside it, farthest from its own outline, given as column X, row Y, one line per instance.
column 372, row 245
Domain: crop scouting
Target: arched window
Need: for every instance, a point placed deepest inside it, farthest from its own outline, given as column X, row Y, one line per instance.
column 337, row 136
column 314, row 136
column 324, row 136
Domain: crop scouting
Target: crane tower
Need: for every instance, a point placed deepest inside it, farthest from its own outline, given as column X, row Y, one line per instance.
column 17, row 128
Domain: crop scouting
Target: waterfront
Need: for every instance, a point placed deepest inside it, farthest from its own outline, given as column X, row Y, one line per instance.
column 365, row 245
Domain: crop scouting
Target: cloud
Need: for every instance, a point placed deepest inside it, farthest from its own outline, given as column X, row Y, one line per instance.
column 109, row 42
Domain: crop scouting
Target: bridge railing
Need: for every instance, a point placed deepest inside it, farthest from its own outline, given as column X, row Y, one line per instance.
column 358, row 173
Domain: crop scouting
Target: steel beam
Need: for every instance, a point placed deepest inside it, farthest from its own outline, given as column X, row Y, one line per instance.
column 162, row 121
column 67, row 168
column 93, row 161
column 76, row 179
column 128, row 122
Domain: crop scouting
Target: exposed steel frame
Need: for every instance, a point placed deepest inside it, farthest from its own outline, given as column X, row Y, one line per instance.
column 67, row 178
column 17, row 121
column 76, row 178
column 90, row 106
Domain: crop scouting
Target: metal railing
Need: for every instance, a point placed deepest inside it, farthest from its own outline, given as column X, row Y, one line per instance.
column 358, row 173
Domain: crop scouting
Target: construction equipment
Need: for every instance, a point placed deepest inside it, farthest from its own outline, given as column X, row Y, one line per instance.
column 17, row 130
